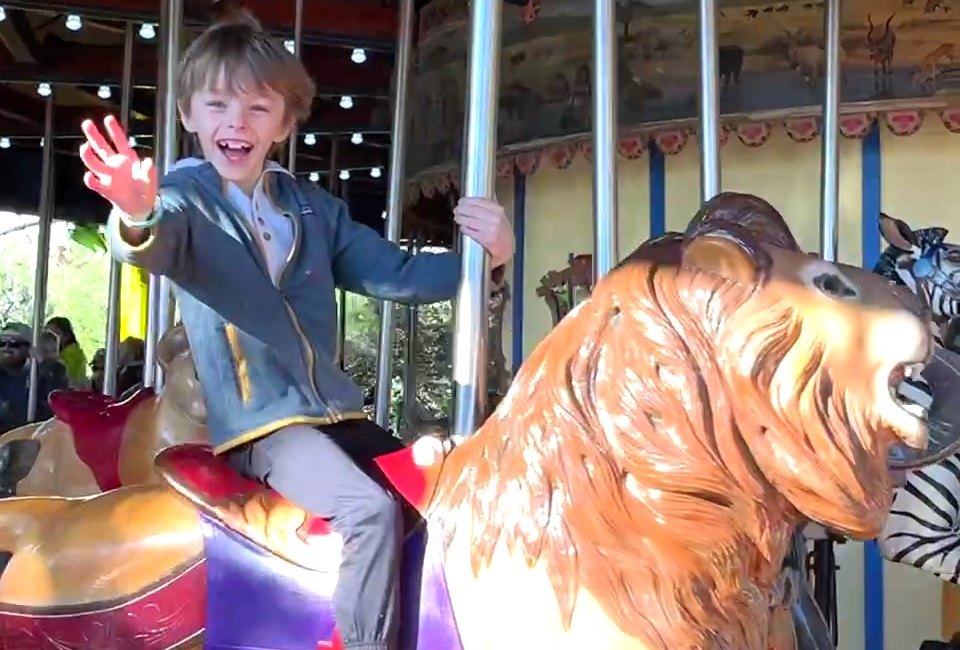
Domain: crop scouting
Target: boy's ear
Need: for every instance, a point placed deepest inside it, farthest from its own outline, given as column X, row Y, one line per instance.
column 287, row 131
column 185, row 119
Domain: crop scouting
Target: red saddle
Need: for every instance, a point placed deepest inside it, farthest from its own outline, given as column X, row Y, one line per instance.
column 263, row 515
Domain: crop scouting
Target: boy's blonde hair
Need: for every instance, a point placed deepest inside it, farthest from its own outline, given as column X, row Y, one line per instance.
column 237, row 48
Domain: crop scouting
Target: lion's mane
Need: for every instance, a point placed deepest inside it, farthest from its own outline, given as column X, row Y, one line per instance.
column 648, row 449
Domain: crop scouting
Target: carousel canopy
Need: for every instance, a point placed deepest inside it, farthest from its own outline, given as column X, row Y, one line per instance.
column 75, row 48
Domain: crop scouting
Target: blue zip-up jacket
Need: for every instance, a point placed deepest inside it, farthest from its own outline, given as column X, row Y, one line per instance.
column 265, row 354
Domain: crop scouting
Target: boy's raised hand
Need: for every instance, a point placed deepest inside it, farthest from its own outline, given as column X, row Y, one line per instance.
column 484, row 221
column 116, row 172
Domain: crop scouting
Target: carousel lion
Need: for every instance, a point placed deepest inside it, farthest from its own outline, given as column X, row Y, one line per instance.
column 637, row 489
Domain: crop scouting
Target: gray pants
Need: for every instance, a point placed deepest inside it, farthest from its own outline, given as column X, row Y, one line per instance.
column 319, row 469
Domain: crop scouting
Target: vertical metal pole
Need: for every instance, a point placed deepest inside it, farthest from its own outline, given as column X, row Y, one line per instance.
column 398, row 153
column 111, row 361
column 43, row 255
column 823, row 553
column 830, row 148
column 709, row 102
column 342, row 330
column 479, row 180
column 297, row 41
column 605, row 180
column 160, row 312
column 410, row 354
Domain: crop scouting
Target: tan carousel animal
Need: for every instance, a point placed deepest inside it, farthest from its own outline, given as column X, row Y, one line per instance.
column 637, row 489
column 95, row 443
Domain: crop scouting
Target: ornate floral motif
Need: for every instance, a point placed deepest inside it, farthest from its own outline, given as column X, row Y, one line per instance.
column 670, row 142
column 855, row 126
column 632, row 147
column 803, row 129
column 754, row 134
column 903, row 122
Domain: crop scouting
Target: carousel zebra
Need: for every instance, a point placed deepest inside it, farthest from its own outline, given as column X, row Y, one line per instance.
column 923, row 529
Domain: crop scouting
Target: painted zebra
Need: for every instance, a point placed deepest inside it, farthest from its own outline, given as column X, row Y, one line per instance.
column 921, row 261
column 923, row 529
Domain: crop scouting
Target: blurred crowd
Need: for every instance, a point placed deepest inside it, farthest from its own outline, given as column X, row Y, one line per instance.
column 61, row 364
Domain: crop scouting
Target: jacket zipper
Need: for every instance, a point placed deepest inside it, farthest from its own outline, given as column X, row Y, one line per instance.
column 308, row 349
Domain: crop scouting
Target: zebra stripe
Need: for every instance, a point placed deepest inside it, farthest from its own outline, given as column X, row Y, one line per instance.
column 923, row 529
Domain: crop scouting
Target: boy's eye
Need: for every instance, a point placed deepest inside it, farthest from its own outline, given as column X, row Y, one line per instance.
column 262, row 109
column 215, row 103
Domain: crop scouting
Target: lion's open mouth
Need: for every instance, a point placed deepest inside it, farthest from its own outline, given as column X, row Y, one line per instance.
column 910, row 390
column 910, row 399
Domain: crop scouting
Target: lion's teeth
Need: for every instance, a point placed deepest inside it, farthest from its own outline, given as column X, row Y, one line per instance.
column 916, row 410
column 913, row 371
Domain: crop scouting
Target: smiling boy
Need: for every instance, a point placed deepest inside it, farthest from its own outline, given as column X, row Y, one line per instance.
column 255, row 255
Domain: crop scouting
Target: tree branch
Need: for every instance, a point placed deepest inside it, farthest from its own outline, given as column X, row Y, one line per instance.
column 22, row 226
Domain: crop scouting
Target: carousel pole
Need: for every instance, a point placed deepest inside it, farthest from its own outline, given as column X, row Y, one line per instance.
column 605, row 179
column 410, row 353
column 333, row 188
column 111, row 362
column 160, row 312
column 398, row 154
column 479, row 180
column 709, row 102
column 297, row 42
column 824, row 557
column 830, row 146
column 43, row 255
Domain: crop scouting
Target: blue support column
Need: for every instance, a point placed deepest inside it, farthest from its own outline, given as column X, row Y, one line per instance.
column 519, row 215
column 658, row 191
column 871, row 188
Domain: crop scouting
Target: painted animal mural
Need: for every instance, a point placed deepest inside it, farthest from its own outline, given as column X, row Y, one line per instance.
column 921, row 529
column 628, row 493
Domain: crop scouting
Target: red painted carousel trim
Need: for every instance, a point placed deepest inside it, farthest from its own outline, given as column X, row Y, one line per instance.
column 672, row 140
column 160, row 617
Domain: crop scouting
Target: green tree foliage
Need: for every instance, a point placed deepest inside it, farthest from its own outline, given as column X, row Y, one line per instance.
column 76, row 283
column 432, row 361
column 77, row 289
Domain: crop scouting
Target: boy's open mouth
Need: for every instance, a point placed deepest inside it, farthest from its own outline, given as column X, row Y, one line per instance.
column 235, row 150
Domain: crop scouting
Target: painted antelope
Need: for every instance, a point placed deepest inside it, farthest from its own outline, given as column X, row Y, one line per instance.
column 808, row 58
column 930, row 67
column 881, row 48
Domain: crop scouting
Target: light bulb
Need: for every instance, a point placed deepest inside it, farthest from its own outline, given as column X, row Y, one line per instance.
column 103, row 92
column 383, row 215
column 44, row 89
column 345, row 175
column 3, row 14
column 346, row 101
column 314, row 177
column 359, row 55
column 4, row 143
column 290, row 45
column 132, row 141
column 356, row 138
column 73, row 22
column 375, row 172
column 310, row 139
column 43, row 142
column 148, row 31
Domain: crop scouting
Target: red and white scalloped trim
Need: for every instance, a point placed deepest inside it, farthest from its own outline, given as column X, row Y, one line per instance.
column 671, row 141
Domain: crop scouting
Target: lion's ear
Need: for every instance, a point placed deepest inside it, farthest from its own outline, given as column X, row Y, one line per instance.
column 721, row 255
column 897, row 233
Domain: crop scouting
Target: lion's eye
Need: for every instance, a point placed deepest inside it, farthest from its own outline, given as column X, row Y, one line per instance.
column 834, row 286
column 953, row 256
